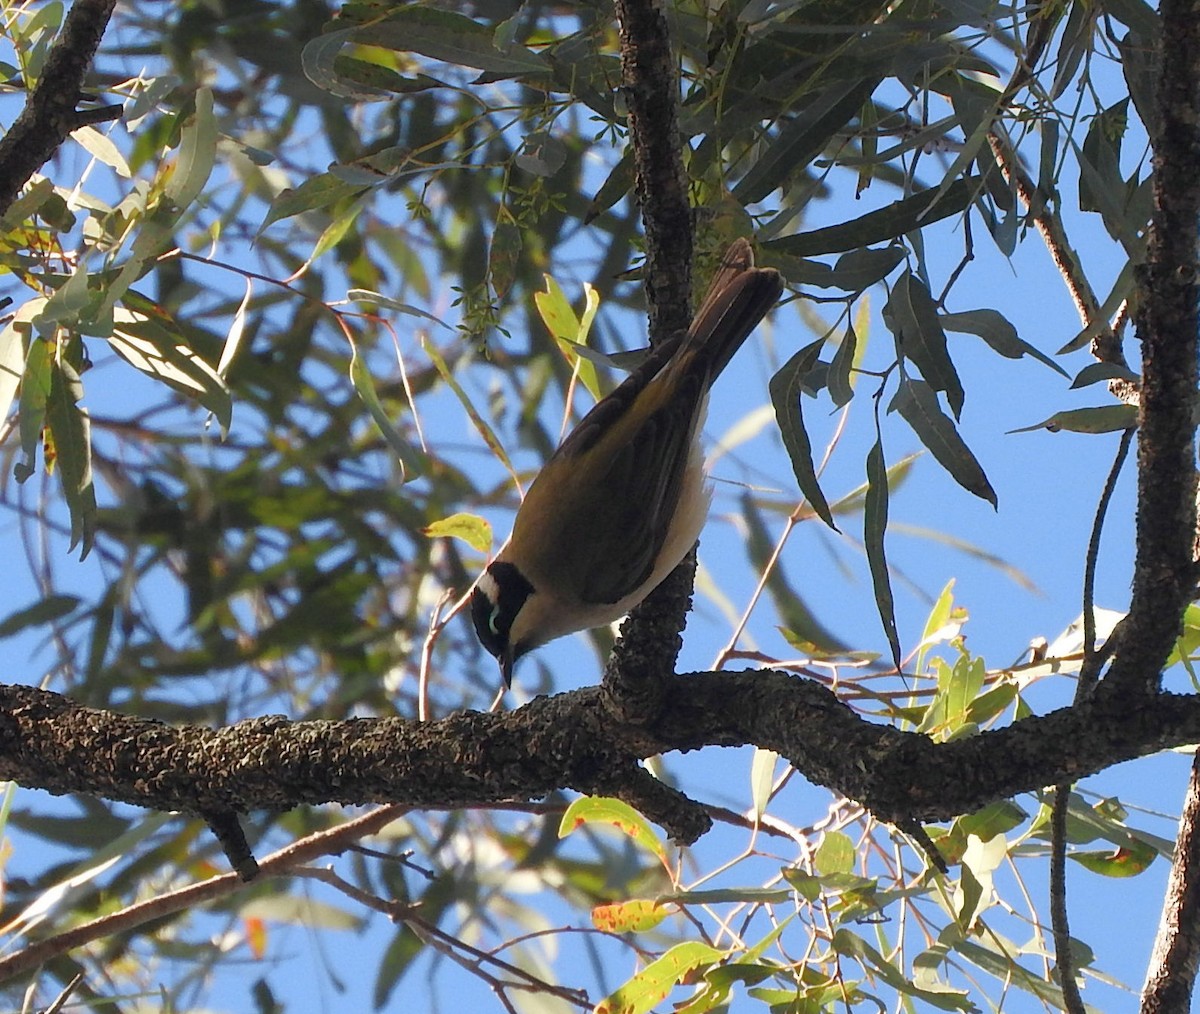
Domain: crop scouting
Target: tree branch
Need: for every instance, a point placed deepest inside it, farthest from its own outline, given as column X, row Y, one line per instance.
column 1167, row 322
column 651, row 90
column 1172, row 971
column 51, row 112
column 570, row 741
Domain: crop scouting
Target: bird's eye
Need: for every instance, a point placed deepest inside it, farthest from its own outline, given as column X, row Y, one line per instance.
column 493, row 625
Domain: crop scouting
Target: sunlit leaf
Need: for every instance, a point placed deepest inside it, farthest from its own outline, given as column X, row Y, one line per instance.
column 622, row 816
column 474, row 530
column 635, row 916
column 1101, row 419
column 654, row 983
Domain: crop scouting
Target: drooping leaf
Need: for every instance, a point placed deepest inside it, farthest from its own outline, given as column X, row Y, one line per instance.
column 785, row 397
column 1001, row 336
column 852, row 945
column 802, row 139
column 841, row 376
column 911, row 316
column 875, row 515
column 918, row 405
column 197, row 153
column 798, row 618
column 68, row 430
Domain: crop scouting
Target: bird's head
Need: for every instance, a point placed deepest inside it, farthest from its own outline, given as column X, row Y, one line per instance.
column 496, row 603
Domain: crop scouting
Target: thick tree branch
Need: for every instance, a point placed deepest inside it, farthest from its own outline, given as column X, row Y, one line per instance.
column 51, row 112
column 635, row 680
column 1167, row 321
column 1172, row 971
column 570, row 741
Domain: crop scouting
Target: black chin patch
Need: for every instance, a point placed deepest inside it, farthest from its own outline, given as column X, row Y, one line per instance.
column 497, row 599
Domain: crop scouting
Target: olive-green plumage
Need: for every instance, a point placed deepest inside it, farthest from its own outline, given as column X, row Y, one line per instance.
column 623, row 498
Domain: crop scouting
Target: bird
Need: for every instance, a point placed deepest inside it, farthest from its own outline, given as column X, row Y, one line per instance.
column 621, row 501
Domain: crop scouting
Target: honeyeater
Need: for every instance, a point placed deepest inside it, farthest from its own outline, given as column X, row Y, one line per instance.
column 624, row 497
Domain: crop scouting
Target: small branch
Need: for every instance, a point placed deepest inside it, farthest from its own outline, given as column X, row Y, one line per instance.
column 1065, row 960
column 232, row 838
column 51, row 112
column 635, row 680
column 1173, row 965
column 278, row 863
column 1106, row 346
column 651, row 89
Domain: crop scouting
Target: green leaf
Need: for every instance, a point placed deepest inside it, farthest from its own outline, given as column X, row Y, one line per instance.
column 798, row 619
column 852, row 945
column 454, row 38
column 654, row 983
column 883, row 225
column 481, row 424
column 618, row 183
column 68, row 431
column 762, row 778
column 1101, row 419
column 504, row 255
column 146, row 344
column 321, row 191
column 31, row 409
column 918, row 406
column 911, row 316
column 364, row 385
column 622, row 816
column 197, row 153
column 875, row 514
column 1126, row 861
column 1096, row 373
column 836, row 854
column 802, row 139
column 1121, row 290
column 785, row 397
column 858, row 269
column 101, row 148
column 49, row 609
column 995, row 818
column 840, row 381
column 12, row 364
column 1001, row 336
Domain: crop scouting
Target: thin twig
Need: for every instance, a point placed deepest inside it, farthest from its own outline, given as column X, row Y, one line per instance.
column 280, row 863
column 51, row 113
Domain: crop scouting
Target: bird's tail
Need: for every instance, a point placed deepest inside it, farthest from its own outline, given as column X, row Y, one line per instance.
column 738, row 297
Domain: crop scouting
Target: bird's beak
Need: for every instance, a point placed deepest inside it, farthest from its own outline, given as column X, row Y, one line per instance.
column 506, row 660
